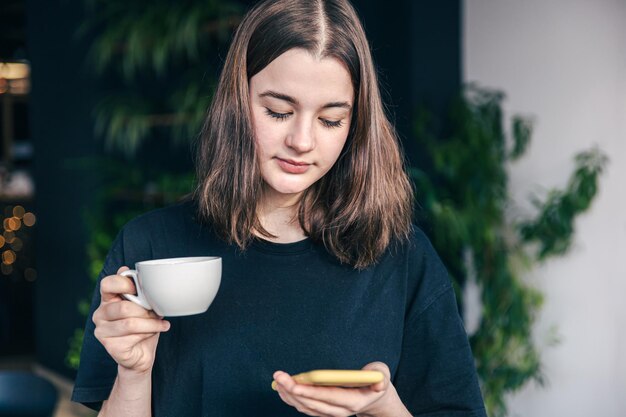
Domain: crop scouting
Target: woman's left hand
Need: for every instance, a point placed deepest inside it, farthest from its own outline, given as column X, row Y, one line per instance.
column 378, row 400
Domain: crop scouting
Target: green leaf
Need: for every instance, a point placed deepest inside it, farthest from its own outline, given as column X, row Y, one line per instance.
column 522, row 131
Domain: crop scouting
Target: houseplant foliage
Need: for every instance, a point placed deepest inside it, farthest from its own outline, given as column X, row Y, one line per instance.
column 463, row 196
column 160, row 49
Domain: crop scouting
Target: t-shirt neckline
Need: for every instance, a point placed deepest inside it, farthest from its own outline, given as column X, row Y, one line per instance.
column 282, row 248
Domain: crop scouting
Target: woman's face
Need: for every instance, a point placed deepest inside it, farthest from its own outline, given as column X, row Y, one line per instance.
column 301, row 111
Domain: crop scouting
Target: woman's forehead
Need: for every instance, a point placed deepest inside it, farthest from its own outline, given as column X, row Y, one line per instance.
column 308, row 79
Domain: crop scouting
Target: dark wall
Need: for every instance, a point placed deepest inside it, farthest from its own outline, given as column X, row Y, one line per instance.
column 62, row 99
column 417, row 48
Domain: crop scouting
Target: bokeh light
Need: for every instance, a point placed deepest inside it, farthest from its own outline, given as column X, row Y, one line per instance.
column 14, row 223
column 30, row 274
column 10, row 244
column 17, row 244
column 18, row 211
column 29, row 219
column 9, row 236
column 8, row 257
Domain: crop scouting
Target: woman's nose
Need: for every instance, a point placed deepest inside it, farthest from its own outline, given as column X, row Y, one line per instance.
column 301, row 137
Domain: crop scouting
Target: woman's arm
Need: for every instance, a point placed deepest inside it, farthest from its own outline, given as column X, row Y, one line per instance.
column 389, row 406
column 130, row 335
column 131, row 395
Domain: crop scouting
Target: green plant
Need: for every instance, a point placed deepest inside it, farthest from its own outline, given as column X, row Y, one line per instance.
column 160, row 50
column 464, row 195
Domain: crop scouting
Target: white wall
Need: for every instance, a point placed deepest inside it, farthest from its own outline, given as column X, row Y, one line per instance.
column 564, row 61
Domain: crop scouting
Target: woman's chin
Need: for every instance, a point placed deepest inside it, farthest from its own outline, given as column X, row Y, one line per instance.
column 285, row 189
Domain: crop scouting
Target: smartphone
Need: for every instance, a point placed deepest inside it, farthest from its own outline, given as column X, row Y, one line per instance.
column 337, row 378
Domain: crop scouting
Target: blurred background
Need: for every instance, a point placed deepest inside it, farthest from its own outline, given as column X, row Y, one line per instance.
column 512, row 116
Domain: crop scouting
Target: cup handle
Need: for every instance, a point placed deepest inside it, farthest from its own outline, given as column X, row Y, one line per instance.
column 139, row 298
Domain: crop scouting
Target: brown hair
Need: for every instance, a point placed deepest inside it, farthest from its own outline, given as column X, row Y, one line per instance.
column 364, row 203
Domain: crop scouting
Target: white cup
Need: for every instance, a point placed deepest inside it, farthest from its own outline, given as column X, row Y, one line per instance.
column 176, row 286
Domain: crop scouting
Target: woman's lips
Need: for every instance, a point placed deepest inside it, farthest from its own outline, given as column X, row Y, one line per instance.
column 293, row 167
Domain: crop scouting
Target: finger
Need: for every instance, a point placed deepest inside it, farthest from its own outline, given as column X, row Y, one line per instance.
column 289, row 399
column 311, row 391
column 122, row 269
column 284, row 385
column 321, row 400
column 318, row 408
column 125, row 309
column 113, row 285
column 130, row 326
column 313, row 406
column 120, row 309
column 381, row 367
column 286, row 397
column 130, row 340
column 349, row 400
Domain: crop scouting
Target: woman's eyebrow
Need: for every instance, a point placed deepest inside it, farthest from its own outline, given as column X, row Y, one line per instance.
column 292, row 100
column 280, row 96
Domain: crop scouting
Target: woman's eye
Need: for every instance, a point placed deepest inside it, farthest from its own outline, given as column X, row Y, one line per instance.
column 283, row 116
column 279, row 116
column 330, row 123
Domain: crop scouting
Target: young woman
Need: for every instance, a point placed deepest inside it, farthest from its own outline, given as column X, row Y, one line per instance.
column 303, row 194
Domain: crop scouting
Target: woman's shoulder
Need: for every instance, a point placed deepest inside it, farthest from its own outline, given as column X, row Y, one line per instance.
column 416, row 245
column 179, row 215
column 169, row 226
column 418, row 237
column 426, row 268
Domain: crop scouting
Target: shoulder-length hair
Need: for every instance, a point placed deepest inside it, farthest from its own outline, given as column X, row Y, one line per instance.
column 364, row 203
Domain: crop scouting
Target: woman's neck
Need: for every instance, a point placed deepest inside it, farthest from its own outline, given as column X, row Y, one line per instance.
column 278, row 215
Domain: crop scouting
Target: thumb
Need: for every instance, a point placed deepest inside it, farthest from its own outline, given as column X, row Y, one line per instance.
column 122, row 269
column 381, row 367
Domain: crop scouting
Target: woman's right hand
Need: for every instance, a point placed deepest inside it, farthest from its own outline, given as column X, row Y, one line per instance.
column 128, row 332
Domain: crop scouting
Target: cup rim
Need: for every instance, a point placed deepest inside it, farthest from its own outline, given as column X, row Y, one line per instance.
column 178, row 260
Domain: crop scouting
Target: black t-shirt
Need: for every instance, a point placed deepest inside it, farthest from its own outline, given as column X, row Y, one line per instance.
column 291, row 307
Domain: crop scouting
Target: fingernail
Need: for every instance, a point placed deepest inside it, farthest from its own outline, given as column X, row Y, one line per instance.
column 166, row 325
